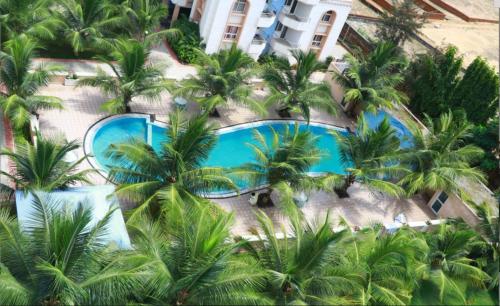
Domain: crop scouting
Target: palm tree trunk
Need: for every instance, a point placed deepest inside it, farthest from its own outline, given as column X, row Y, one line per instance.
column 127, row 98
column 348, row 181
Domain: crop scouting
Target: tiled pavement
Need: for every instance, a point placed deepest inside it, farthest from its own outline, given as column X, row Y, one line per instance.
column 81, row 110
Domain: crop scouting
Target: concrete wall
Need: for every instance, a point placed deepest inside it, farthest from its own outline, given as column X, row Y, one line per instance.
column 250, row 26
column 341, row 13
column 454, row 207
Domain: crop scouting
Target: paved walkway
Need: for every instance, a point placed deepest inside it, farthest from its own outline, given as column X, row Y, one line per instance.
column 159, row 55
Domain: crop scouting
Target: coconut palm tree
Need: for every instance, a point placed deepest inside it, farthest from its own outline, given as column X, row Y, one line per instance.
column 193, row 260
column 143, row 18
column 446, row 272
column 292, row 89
column 222, row 78
column 133, row 76
column 43, row 166
column 177, row 169
column 369, row 157
column 489, row 229
column 30, row 17
column 283, row 160
column 370, row 80
column 439, row 157
column 380, row 264
column 22, row 81
column 60, row 258
column 87, row 23
column 299, row 270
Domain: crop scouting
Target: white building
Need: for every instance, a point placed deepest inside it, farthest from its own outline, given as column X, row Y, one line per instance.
column 275, row 25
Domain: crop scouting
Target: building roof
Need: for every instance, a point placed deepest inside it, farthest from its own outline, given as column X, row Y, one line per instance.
column 100, row 199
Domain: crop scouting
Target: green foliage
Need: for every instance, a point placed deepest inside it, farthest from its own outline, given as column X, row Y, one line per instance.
column 22, row 81
column 43, row 166
column 186, row 46
column 292, row 89
column 440, row 157
column 222, row 78
column 435, row 86
column 134, row 76
column 371, row 80
column 60, row 258
column 370, row 156
column 431, row 81
column 486, row 137
column 477, row 92
column 401, row 23
column 176, row 171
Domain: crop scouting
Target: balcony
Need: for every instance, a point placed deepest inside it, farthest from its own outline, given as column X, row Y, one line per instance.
column 309, row 2
column 266, row 19
column 257, row 46
column 283, row 46
column 183, row 3
column 293, row 21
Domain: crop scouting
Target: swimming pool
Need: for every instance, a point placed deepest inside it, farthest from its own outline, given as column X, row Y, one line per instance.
column 231, row 149
column 402, row 132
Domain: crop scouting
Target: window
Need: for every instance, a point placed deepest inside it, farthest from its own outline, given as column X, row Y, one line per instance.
column 439, row 202
column 239, row 6
column 327, row 16
column 288, row 2
column 231, row 32
column 316, row 42
column 279, row 26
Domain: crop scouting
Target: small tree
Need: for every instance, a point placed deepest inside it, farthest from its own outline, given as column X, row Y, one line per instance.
column 401, row 23
column 477, row 92
column 431, row 81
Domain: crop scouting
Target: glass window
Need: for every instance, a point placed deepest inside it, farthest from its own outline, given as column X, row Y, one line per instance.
column 239, row 6
column 279, row 26
column 327, row 16
column 316, row 42
column 288, row 2
column 439, row 202
column 231, row 32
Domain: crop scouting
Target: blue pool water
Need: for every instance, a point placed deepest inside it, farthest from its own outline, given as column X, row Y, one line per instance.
column 402, row 131
column 231, row 149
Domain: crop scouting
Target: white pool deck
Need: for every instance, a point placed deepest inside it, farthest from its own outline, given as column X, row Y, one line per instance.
column 81, row 110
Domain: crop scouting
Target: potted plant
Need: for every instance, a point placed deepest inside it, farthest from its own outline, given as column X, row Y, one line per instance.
column 71, row 79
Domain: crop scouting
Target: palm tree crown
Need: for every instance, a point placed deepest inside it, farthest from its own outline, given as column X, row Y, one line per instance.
column 43, row 166
column 440, row 159
column 134, row 76
column 221, row 78
column 370, row 80
column 20, row 101
column 292, row 88
column 177, row 169
column 369, row 156
column 61, row 258
column 193, row 261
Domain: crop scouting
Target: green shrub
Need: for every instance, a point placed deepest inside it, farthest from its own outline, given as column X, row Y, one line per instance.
column 185, row 45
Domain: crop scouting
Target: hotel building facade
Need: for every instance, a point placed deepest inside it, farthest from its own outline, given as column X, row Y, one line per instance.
column 278, row 26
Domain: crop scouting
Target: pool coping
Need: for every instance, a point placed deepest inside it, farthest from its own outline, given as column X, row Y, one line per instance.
column 91, row 132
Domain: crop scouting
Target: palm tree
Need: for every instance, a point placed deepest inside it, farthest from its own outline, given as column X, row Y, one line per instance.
column 193, row 260
column 292, row 88
column 371, row 79
column 43, row 166
column 60, row 258
column 146, row 175
column 222, row 78
column 446, row 273
column 143, row 19
column 380, row 264
column 134, row 76
column 439, row 158
column 86, row 23
column 369, row 157
column 283, row 160
column 22, row 81
column 299, row 270
column 489, row 229
column 30, row 17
